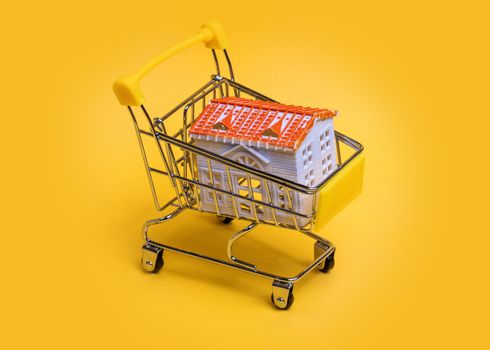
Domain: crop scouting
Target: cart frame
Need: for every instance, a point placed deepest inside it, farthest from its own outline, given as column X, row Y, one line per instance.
column 177, row 161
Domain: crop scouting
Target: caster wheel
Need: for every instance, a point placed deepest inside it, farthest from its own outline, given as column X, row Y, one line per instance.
column 159, row 263
column 224, row 219
column 152, row 260
column 287, row 305
column 328, row 264
column 282, row 295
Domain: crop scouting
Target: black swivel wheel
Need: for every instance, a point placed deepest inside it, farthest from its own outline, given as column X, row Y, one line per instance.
column 224, row 219
column 328, row 264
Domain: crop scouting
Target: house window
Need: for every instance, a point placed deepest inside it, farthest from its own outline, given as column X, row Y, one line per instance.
column 307, row 156
column 281, row 199
column 309, row 178
column 248, row 161
column 327, row 165
column 218, row 181
column 242, row 189
column 325, row 141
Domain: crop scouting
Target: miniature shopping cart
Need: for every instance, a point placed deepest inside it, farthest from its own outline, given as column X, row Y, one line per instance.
column 176, row 159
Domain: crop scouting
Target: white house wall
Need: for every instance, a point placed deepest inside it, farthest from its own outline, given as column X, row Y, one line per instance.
column 318, row 156
column 285, row 164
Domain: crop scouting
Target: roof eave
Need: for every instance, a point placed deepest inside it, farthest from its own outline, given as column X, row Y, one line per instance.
column 250, row 143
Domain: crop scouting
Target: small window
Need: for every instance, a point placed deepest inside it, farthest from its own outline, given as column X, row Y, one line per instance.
column 245, row 208
column 307, row 156
column 281, row 199
column 309, row 179
column 324, row 141
column 218, row 183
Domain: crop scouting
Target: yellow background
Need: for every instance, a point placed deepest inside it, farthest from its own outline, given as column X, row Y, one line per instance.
column 411, row 83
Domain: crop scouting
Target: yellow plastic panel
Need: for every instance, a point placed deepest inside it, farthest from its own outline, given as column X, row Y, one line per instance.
column 344, row 187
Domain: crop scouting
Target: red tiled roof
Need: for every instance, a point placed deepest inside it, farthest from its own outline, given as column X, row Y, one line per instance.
column 260, row 123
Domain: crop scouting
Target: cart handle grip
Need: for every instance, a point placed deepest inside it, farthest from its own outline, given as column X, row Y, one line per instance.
column 127, row 87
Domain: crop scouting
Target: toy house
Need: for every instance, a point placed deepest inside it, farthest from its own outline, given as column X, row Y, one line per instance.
column 295, row 143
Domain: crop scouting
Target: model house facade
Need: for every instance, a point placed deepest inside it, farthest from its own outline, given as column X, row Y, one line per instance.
column 295, row 143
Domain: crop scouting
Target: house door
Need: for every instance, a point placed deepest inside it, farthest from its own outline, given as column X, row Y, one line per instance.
column 243, row 188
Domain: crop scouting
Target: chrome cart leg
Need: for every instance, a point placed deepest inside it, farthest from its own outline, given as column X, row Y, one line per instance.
column 329, row 262
column 282, row 294
column 152, row 253
column 231, row 242
column 152, row 258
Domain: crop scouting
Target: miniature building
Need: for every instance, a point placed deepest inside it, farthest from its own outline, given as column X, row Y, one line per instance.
column 295, row 143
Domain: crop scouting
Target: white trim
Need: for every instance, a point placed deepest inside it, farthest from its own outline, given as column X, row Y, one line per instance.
column 234, row 141
column 256, row 154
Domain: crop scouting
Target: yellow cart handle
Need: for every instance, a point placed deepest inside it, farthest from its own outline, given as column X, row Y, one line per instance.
column 127, row 87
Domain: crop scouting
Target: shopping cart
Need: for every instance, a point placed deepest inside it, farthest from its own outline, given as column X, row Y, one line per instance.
column 177, row 159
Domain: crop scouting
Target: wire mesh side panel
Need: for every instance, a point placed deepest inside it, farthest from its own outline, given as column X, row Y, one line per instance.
column 164, row 164
column 228, row 188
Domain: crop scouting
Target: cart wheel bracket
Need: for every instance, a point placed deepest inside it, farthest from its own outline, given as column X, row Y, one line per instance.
column 282, row 294
column 152, row 258
column 328, row 263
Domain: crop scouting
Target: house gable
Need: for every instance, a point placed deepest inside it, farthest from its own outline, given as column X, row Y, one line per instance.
column 242, row 148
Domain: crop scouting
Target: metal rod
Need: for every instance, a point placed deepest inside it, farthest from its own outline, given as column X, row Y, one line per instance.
column 328, row 251
column 278, row 180
column 269, row 198
column 162, row 155
column 230, row 67
column 230, row 185
column 290, row 204
column 211, row 178
column 195, row 178
column 216, row 61
column 145, row 160
column 339, row 156
column 231, row 242
column 223, row 191
column 251, row 196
